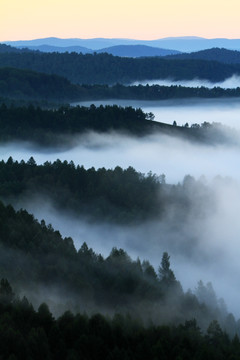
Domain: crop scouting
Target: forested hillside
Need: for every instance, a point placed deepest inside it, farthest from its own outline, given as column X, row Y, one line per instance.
column 58, row 126
column 27, row 85
column 10, row 49
column 215, row 54
column 108, row 69
column 136, row 51
column 37, row 260
column 116, row 195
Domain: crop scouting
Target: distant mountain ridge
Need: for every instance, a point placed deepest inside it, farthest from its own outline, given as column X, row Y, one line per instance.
column 214, row 54
column 137, row 51
column 183, row 44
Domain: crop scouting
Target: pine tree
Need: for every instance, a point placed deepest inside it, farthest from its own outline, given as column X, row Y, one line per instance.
column 166, row 274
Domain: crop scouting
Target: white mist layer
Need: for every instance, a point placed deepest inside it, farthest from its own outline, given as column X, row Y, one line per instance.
column 157, row 153
column 230, row 83
column 191, row 111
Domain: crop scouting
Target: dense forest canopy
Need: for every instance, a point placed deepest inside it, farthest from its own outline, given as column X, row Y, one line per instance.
column 108, row 69
column 115, row 194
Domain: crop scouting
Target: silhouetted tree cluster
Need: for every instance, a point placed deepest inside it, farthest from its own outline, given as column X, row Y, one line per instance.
column 44, row 126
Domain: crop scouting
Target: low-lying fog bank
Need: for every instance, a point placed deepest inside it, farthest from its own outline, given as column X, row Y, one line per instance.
column 230, row 83
column 160, row 154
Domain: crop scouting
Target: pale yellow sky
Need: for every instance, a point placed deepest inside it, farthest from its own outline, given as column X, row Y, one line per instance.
column 148, row 19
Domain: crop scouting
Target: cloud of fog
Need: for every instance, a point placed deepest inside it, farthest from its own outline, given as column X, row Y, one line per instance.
column 230, row 83
column 160, row 154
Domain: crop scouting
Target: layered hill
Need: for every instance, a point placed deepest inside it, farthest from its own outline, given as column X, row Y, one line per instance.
column 183, row 44
column 118, row 50
column 27, row 85
column 51, row 127
column 215, row 54
column 136, row 51
column 109, row 69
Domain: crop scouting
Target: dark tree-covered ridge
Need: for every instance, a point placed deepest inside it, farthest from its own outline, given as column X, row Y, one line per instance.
column 56, row 126
column 117, row 195
column 108, row 69
column 215, row 54
column 26, row 85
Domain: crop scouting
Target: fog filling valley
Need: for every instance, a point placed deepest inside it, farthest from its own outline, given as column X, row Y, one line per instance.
column 230, row 83
column 160, row 154
column 204, row 246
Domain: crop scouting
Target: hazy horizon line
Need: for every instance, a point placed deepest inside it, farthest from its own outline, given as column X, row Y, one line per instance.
column 187, row 37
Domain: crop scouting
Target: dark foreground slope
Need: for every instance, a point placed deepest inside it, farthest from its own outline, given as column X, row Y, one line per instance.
column 37, row 260
column 28, row 334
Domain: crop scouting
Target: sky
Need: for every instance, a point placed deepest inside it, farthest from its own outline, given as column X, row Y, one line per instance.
column 136, row 19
